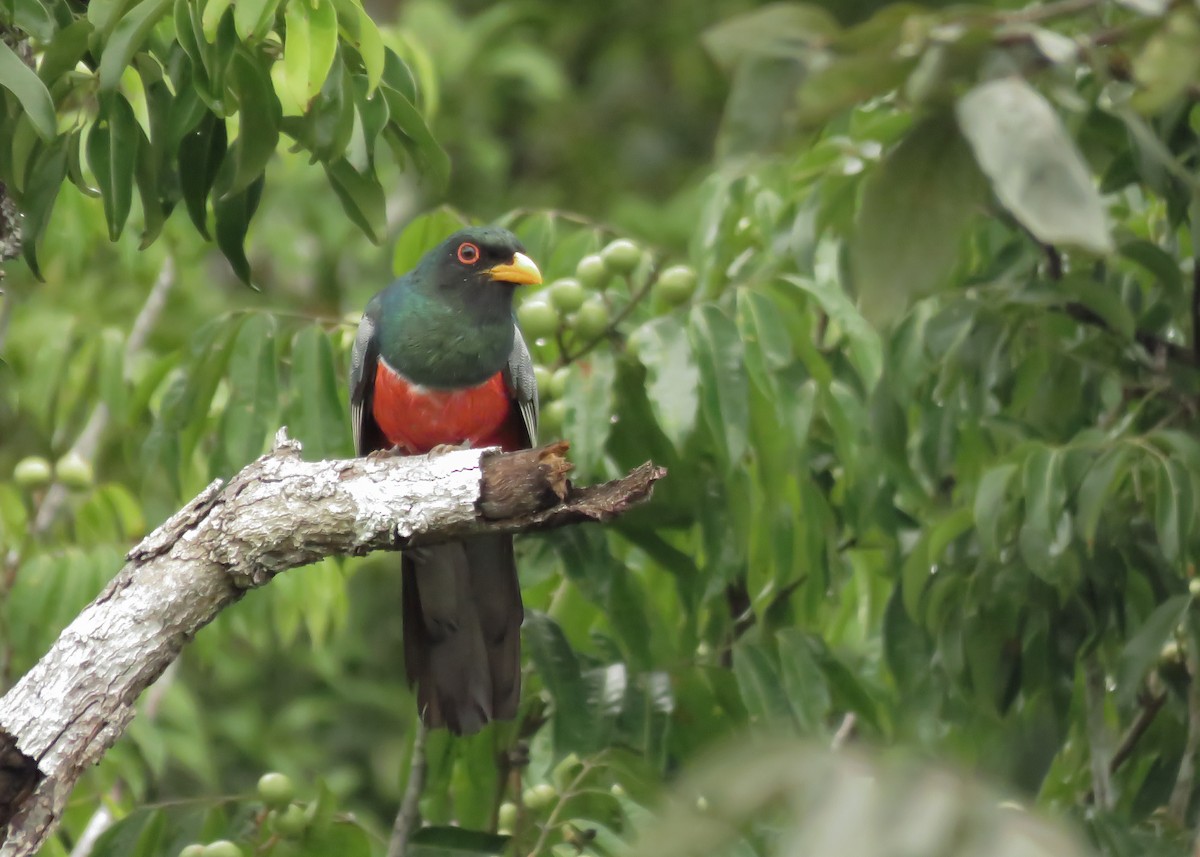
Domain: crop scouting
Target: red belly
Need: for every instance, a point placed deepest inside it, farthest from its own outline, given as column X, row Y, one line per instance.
column 417, row 419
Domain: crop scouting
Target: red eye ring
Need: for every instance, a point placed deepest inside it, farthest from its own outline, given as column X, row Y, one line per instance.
column 468, row 253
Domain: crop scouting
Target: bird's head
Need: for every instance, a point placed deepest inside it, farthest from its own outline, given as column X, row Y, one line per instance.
column 480, row 259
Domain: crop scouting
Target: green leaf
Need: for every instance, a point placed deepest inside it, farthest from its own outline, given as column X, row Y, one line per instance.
column 759, row 680
column 232, row 215
column 361, row 196
column 1168, row 63
column 317, row 415
column 21, row 81
column 371, row 49
column 112, row 154
column 407, row 121
column 423, row 233
column 308, row 49
column 65, row 52
column 589, row 402
column 253, row 395
column 672, row 378
column 210, row 18
column 1102, row 479
column 200, row 153
column 125, row 40
column 1145, row 646
column 454, row 842
column 1174, row 508
column 803, row 680
column 37, row 201
column 1156, row 261
column 32, row 17
column 990, row 502
column 775, row 30
column 258, row 119
column 1034, row 167
column 1044, row 487
column 253, row 18
column 917, row 206
column 723, row 399
column 866, row 348
column 573, row 721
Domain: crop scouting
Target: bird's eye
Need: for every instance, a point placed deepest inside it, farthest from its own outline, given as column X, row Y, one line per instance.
column 468, row 253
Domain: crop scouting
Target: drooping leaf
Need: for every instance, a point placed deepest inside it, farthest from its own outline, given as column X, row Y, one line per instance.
column 317, row 414
column 1145, row 646
column 232, row 216
column 455, row 842
column 1045, row 491
column 990, row 501
column 556, row 663
column 917, row 205
column 127, row 37
column 672, row 378
column 1034, row 167
column 723, row 401
column 112, row 155
column 361, row 196
column 21, row 81
column 258, row 132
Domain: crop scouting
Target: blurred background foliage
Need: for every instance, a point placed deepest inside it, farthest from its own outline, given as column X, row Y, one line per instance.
column 905, row 297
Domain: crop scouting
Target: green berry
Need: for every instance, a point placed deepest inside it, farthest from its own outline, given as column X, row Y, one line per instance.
column 558, row 382
column 292, row 822
column 592, row 272
column 621, row 256
column 32, row 472
column 1194, row 587
column 74, row 472
column 537, row 319
column 508, row 815
column 276, row 790
column 592, row 319
column 221, row 848
column 193, row 850
column 676, row 284
column 539, row 796
column 550, row 421
column 567, row 294
column 542, row 376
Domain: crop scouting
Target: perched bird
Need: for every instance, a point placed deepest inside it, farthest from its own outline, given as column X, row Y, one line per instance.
column 439, row 361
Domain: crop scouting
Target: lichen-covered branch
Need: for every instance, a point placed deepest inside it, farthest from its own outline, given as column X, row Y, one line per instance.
column 278, row 513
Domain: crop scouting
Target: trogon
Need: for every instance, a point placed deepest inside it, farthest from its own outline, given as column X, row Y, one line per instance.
column 439, row 361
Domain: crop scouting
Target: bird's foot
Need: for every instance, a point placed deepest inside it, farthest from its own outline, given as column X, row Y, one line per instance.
column 392, row 452
column 443, row 448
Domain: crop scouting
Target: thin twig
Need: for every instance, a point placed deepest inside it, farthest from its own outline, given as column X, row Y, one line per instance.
column 845, row 731
column 1151, row 705
column 567, row 794
column 1098, row 734
column 408, row 819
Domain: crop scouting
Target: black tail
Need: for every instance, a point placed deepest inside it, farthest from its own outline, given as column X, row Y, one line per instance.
column 462, row 632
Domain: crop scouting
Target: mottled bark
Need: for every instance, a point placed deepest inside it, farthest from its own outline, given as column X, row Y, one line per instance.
column 278, row 513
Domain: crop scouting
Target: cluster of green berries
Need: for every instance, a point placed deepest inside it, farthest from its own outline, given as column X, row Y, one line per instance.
column 577, row 304
column 284, row 818
column 72, row 470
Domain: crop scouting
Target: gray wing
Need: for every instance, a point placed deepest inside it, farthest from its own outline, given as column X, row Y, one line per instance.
column 363, row 360
column 519, row 377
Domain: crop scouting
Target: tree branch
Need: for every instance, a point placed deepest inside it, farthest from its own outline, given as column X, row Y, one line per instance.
column 278, row 513
column 408, row 818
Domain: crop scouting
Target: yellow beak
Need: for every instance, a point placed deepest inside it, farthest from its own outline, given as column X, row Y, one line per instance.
column 520, row 271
